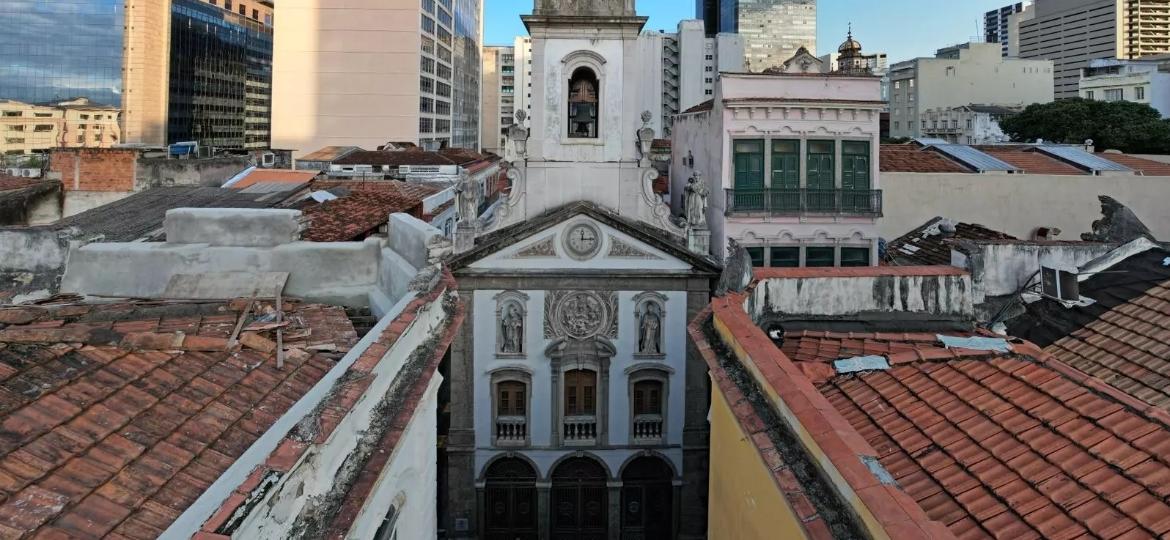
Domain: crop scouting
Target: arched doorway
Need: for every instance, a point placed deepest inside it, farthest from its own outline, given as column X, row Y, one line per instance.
column 510, row 501
column 579, row 501
column 647, row 505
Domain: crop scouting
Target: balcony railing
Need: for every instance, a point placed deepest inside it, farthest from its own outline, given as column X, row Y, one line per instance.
column 647, row 429
column 580, row 430
column 800, row 202
column 511, row 430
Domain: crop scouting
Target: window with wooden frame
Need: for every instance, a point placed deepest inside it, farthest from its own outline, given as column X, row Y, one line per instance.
column 511, row 399
column 580, row 393
column 648, row 397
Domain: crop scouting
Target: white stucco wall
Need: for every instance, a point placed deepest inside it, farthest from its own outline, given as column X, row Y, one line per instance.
column 1016, row 204
column 410, row 480
column 541, row 406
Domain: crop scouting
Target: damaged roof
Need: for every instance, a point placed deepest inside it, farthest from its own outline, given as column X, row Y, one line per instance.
column 361, row 212
column 141, row 214
column 114, row 418
column 931, row 243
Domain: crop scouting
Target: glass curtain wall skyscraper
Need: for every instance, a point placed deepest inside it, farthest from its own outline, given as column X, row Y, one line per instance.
column 772, row 30
column 220, row 76
column 466, row 77
column 54, row 50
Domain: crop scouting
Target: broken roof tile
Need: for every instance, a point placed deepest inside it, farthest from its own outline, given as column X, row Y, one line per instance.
column 103, row 439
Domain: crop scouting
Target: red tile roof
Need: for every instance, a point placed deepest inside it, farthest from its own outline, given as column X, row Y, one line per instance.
column 1001, row 445
column 1145, row 166
column 1031, row 161
column 910, row 158
column 349, row 390
column 891, row 507
column 927, row 245
column 115, row 418
column 9, row 182
column 1127, row 347
column 357, row 215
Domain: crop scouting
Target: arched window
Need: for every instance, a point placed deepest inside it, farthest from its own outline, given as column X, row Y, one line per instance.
column 583, row 104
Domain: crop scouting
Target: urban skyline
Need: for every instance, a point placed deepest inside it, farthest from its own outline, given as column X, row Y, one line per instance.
column 880, row 26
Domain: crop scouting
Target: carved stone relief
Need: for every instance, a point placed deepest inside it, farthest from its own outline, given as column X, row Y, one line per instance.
column 580, row 314
column 543, row 248
column 621, row 250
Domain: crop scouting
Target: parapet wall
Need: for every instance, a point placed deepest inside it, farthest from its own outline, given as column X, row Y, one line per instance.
column 376, row 272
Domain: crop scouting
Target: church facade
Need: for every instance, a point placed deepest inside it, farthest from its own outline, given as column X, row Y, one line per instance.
column 576, row 409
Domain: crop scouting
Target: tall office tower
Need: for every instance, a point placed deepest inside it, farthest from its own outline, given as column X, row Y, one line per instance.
column 998, row 26
column 1071, row 33
column 522, row 48
column 367, row 72
column 175, row 70
column 772, row 30
column 220, row 73
column 498, row 98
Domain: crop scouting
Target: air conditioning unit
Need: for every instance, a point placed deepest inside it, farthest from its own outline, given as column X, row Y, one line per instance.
column 268, row 159
column 1059, row 284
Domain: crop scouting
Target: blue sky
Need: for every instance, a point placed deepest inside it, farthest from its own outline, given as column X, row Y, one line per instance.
column 903, row 29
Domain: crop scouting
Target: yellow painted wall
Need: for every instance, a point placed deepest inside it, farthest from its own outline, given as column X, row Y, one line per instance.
column 744, row 502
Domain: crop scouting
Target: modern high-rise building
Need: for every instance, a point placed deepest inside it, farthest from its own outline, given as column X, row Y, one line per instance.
column 220, row 86
column 1002, row 26
column 691, row 61
column 772, row 30
column 958, row 76
column 498, row 98
column 367, row 72
column 1072, row 33
column 177, row 70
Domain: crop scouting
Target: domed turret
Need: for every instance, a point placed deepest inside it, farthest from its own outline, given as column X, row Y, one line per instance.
column 851, row 46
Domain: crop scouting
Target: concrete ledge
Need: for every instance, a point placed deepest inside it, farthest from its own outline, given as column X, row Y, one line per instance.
column 237, row 227
column 408, row 237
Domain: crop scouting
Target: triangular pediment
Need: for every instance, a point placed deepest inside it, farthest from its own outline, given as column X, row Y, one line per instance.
column 580, row 243
column 581, row 237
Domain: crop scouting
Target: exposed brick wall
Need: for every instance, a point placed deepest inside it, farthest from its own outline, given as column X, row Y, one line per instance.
column 94, row 169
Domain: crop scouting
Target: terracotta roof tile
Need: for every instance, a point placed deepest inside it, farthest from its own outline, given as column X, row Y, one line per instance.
column 928, row 245
column 910, row 158
column 961, row 433
column 1145, row 166
column 360, row 213
column 97, row 439
column 1127, row 347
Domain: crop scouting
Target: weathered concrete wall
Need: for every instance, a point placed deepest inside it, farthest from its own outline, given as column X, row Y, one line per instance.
column 410, row 236
column 31, row 261
column 1018, row 204
column 232, row 227
column 942, row 296
column 187, row 172
column 77, row 202
column 999, row 269
column 333, row 272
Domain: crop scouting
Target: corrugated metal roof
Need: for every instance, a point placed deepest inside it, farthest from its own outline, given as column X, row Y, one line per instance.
column 1081, row 158
column 930, row 141
column 976, row 159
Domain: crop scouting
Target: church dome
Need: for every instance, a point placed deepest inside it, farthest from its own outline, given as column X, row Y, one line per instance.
column 851, row 45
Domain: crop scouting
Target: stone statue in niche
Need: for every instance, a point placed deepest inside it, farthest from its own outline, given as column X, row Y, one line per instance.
column 696, row 202
column 512, row 331
column 650, row 330
column 469, row 193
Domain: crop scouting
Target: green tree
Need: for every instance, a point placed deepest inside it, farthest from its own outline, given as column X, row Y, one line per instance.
column 1120, row 125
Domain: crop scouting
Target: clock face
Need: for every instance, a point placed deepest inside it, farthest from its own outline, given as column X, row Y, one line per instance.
column 582, row 240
